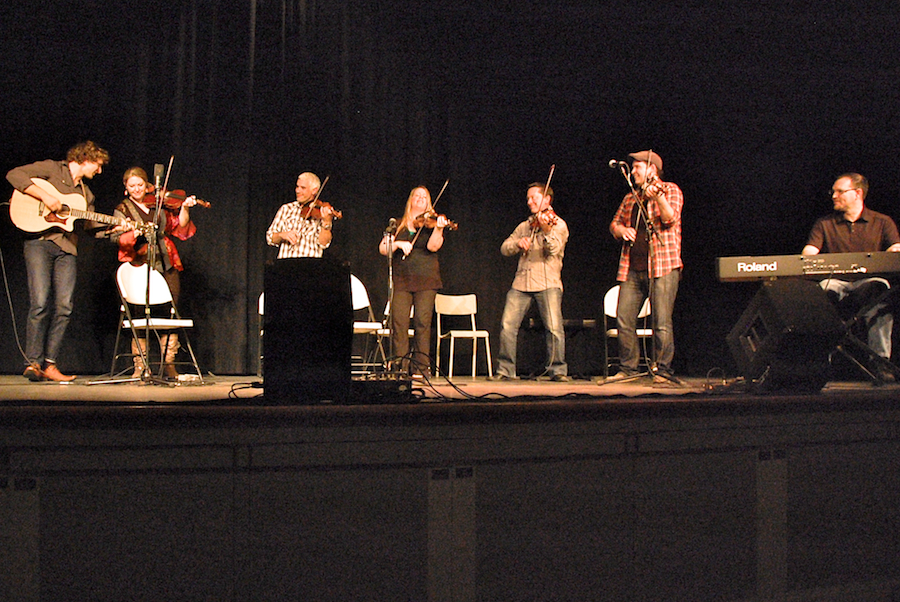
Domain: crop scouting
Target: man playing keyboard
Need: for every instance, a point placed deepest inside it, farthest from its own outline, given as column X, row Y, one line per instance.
column 852, row 227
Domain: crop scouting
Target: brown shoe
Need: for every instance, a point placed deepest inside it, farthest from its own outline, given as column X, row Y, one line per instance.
column 51, row 372
column 33, row 373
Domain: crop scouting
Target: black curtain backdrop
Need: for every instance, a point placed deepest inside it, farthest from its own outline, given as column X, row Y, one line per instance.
column 755, row 108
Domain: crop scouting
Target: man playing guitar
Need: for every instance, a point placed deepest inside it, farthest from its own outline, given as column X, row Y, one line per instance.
column 50, row 256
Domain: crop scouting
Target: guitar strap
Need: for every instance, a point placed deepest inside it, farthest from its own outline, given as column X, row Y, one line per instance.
column 132, row 212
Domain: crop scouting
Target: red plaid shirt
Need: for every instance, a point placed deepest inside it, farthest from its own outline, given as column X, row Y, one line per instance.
column 665, row 244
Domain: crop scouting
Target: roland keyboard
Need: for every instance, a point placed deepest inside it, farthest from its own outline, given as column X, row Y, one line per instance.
column 823, row 265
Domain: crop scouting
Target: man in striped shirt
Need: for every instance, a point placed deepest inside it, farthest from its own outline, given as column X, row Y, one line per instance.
column 649, row 264
column 296, row 235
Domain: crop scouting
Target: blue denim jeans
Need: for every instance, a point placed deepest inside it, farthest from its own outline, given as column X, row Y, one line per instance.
column 550, row 306
column 51, row 271
column 879, row 322
column 662, row 293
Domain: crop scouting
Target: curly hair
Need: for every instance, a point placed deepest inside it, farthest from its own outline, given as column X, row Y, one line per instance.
column 87, row 151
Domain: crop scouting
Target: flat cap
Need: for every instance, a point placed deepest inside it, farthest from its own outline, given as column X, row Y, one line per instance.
column 648, row 156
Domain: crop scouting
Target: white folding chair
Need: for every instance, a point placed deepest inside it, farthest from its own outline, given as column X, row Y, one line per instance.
column 261, row 312
column 460, row 305
column 610, row 305
column 132, row 284
column 385, row 331
column 367, row 326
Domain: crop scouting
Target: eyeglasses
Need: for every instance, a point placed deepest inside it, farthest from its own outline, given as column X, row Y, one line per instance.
column 839, row 192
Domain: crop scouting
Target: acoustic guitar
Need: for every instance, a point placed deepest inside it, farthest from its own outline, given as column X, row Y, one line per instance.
column 32, row 215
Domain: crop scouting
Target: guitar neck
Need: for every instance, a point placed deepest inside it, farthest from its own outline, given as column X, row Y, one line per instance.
column 96, row 217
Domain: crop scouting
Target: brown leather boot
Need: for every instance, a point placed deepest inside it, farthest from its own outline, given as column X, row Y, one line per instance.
column 172, row 346
column 51, row 372
column 33, row 373
column 138, row 346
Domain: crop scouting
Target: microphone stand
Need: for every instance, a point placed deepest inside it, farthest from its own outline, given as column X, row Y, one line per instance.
column 643, row 214
column 153, row 235
column 389, row 236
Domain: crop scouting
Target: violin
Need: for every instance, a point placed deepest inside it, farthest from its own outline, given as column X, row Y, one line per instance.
column 653, row 187
column 172, row 200
column 313, row 210
column 429, row 219
column 550, row 218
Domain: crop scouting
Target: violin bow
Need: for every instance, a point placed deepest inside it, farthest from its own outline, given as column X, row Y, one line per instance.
column 419, row 231
column 546, row 186
column 549, row 177
column 643, row 213
column 162, row 193
column 168, row 173
column 443, row 188
column 319, row 191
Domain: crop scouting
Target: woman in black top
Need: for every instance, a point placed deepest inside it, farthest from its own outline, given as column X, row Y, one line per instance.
column 417, row 278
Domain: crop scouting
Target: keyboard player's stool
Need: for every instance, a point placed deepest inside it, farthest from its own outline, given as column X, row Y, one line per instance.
column 870, row 300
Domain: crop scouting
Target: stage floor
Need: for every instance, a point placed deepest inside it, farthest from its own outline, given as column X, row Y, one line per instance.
column 248, row 390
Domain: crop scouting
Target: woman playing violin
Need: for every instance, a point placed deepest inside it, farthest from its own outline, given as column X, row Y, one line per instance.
column 139, row 206
column 417, row 277
column 302, row 228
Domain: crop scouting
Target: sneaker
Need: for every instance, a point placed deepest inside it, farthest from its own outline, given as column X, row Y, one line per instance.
column 559, row 378
column 496, row 377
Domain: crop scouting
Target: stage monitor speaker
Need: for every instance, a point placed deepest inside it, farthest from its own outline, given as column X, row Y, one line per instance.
column 308, row 331
column 784, row 337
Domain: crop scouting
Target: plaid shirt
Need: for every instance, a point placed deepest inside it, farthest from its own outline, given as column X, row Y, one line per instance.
column 665, row 244
column 289, row 218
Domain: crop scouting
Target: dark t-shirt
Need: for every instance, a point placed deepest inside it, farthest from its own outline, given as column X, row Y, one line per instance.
column 873, row 231
column 420, row 271
column 640, row 248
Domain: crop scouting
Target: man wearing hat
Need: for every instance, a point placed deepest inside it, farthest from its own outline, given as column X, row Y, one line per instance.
column 648, row 222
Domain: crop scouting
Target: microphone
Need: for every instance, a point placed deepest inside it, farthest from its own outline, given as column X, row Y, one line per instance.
column 392, row 226
column 158, row 170
column 614, row 163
